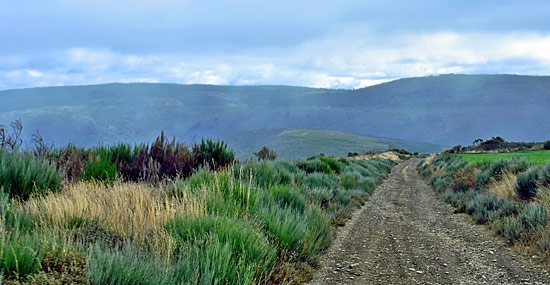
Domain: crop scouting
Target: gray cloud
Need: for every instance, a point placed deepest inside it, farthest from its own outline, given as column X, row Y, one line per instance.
column 338, row 44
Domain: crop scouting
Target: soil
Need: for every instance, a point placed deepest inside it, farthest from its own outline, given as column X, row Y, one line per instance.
column 404, row 234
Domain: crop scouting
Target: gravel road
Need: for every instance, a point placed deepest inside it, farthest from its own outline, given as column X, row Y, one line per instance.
column 404, row 234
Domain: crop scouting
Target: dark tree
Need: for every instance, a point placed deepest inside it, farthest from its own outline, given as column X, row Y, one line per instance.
column 266, row 154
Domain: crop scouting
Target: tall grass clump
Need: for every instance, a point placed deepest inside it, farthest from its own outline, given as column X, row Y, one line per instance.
column 250, row 249
column 23, row 175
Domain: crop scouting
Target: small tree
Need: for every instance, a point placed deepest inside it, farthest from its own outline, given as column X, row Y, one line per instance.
column 547, row 145
column 266, row 154
column 11, row 141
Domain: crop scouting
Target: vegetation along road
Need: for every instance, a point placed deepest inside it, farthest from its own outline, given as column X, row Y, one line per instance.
column 404, row 234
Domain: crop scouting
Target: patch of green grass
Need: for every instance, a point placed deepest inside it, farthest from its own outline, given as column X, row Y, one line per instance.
column 538, row 157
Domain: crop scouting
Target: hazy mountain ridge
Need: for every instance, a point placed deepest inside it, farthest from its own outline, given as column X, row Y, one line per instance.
column 447, row 110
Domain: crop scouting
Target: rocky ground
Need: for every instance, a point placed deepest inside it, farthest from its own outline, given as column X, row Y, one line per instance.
column 404, row 234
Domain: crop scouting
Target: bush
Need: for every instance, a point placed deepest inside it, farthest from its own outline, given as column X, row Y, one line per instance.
column 23, row 174
column 510, row 228
column 247, row 246
column 70, row 162
column 266, row 154
column 287, row 197
column 215, row 155
column 439, row 183
column 320, row 180
column 124, row 266
column 99, row 166
column 20, row 255
column 546, row 145
column 333, row 164
column 483, row 206
column 266, row 173
column 348, row 182
column 527, row 183
column 534, row 216
column 163, row 159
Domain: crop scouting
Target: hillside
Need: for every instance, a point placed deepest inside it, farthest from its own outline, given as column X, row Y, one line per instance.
column 301, row 143
column 446, row 110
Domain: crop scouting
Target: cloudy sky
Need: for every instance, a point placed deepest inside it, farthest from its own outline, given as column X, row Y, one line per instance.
column 336, row 44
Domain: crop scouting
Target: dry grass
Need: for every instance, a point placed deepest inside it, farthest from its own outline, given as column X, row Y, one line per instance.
column 543, row 195
column 505, row 187
column 430, row 158
column 134, row 211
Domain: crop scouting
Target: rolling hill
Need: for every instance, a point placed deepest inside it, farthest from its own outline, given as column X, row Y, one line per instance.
column 444, row 110
column 301, row 143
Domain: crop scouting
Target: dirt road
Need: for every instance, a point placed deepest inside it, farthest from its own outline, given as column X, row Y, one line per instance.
column 406, row 235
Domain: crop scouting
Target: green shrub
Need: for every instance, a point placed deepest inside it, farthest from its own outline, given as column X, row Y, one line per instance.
column 510, row 228
column 504, row 208
column 333, row 164
column 368, row 185
column 20, row 254
column 246, row 244
column 348, row 182
column 22, row 175
column 310, row 166
column 99, row 166
column 321, row 195
column 483, row 206
column 527, row 183
column 288, row 197
column 127, row 265
column 439, row 183
column 534, row 216
column 266, row 173
column 320, row 180
column 216, row 155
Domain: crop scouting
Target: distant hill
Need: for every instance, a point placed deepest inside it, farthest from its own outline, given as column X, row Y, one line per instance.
column 302, row 143
column 445, row 110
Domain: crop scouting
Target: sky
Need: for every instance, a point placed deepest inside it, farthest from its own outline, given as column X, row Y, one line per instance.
column 329, row 44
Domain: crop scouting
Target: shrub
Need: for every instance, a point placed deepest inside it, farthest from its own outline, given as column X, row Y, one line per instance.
column 266, row 173
column 288, row 197
column 439, row 183
column 320, row 180
column 333, row 164
column 546, row 145
column 23, row 174
column 124, row 266
column 20, row 254
column 69, row 162
column 266, row 154
column 215, row 155
column 534, row 216
column 348, row 182
column 163, row 159
column 246, row 244
column 483, row 206
column 99, row 166
column 527, row 183
column 510, row 228
column 310, row 166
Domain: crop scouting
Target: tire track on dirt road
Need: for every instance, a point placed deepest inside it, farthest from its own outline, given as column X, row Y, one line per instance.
column 404, row 234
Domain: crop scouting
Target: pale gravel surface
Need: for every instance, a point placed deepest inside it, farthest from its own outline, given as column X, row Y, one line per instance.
column 404, row 234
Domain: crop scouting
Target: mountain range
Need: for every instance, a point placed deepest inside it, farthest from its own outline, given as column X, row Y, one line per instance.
column 440, row 110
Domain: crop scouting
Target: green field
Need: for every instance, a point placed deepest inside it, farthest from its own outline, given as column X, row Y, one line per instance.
column 539, row 157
